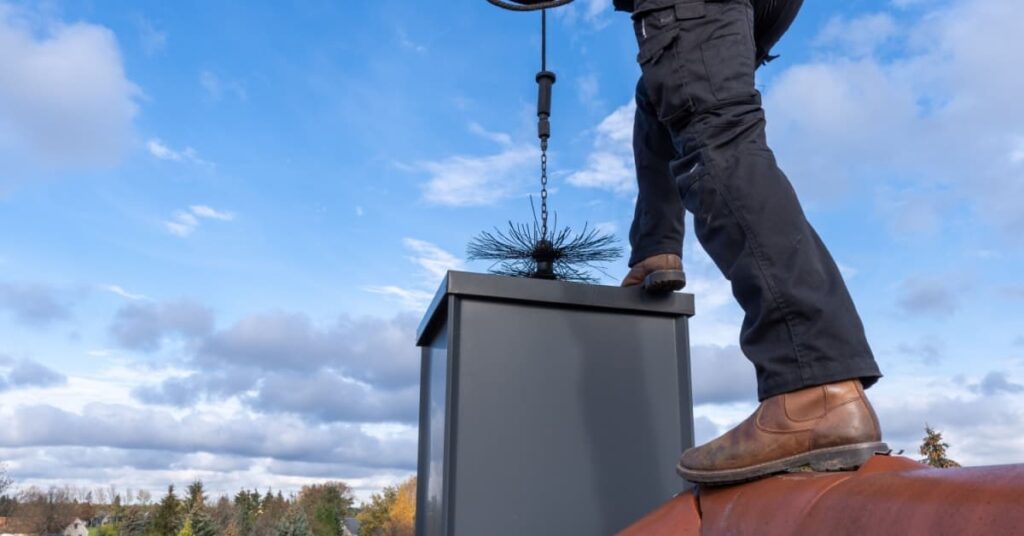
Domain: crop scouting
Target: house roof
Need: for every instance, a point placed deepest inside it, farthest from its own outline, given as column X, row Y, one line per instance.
column 887, row 495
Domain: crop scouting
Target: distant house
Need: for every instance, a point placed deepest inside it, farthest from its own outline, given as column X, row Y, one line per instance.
column 77, row 528
column 350, row 527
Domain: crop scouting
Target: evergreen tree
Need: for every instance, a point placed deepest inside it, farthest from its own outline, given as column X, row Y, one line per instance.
column 167, row 518
column 133, row 522
column 186, row 530
column 196, row 496
column 247, row 510
column 223, row 515
column 202, row 523
column 294, row 524
column 933, row 448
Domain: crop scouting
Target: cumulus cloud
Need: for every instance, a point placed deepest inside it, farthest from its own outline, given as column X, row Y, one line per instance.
column 27, row 373
column 980, row 418
column 124, row 427
column 144, row 326
column 129, row 471
column 433, row 263
column 610, row 163
column 858, row 36
column 996, row 382
column 591, row 12
column 935, row 116
column 369, row 349
column 332, row 397
column 927, row 296
column 162, row 151
column 929, row 350
column 362, row 369
column 478, row 180
column 722, row 375
column 65, row 101
column 33, row 304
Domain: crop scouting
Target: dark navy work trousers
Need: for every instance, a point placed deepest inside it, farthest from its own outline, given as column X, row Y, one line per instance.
column 699, row 144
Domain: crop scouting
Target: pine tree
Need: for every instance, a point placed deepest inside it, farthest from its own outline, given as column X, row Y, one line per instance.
column 247, row 509
column 133, row 522
column 933, row 448
column 294, row 524
column 202, row 523
column 167, row 519
column 196, row 496
column 187, row 529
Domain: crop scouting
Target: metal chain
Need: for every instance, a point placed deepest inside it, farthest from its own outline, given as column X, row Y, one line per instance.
column 544, row 192
column 543, row 140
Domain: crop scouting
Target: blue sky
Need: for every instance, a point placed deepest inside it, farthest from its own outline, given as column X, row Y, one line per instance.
column 221, row 221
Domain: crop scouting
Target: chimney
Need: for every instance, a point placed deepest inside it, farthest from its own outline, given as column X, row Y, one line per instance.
column 549, row 407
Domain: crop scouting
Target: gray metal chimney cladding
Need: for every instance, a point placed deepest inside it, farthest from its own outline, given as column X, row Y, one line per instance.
column 549, row 407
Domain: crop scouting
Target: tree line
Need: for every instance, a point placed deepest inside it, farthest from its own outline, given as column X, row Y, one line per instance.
column 316, row 510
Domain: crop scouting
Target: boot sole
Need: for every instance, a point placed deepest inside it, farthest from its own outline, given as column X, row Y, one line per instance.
column 844, row 458
column 665, row 281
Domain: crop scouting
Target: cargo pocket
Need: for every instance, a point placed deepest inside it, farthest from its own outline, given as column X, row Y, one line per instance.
column 658, row 34
column 730, row 59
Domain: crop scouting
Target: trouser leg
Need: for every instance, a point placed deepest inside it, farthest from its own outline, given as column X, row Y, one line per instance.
column 800, row 326
column 658, row 220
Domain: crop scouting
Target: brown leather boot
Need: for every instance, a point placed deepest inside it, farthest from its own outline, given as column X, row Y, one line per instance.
column 660, row 273
column 830, row 427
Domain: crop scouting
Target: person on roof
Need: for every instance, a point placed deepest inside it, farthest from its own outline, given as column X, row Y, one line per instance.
column 699, row 145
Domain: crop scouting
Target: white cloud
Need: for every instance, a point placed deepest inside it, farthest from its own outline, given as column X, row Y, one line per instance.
column 606, row 227
column 501, row 138
column 858, row 36
column 980, row 417
column 65, row 101
column 162, row 151
column 610, row 163
column 432, row 259
column 217, row 87
column 412, row 299
column 204, row 211
column 153, row 41
column 937, row 117
column 34, row 304
column 120, row 291
column 408, row 43
column 589, row 11
column 477, row 180
column 433, row 263
column 185, row 222
column 588, row 89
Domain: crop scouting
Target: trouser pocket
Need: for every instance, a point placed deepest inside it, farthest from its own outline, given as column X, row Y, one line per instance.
column 658, row 35
column 696, row 55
